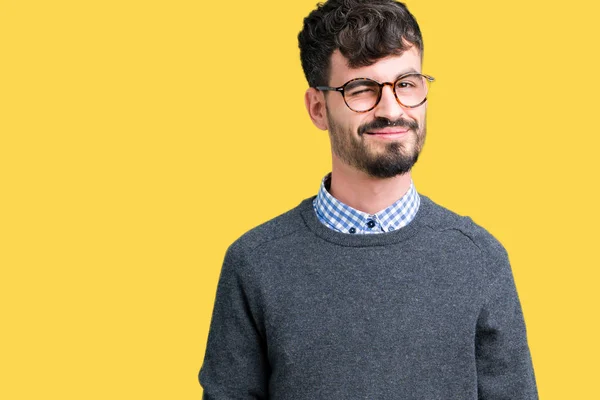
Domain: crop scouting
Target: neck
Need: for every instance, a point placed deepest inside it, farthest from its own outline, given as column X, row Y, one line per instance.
column 366, row 193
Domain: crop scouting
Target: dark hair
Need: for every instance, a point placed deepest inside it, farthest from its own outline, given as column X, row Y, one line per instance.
column 363, row 30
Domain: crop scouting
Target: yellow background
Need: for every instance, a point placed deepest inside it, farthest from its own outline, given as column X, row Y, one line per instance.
column 138, row 139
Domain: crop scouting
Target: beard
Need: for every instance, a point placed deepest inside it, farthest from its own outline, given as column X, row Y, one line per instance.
column 397, row 157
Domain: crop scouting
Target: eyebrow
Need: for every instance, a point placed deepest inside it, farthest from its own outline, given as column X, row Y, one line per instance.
column 405, row 72
column 408, row 71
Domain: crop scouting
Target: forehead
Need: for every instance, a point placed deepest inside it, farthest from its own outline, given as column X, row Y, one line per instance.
column 384, row 70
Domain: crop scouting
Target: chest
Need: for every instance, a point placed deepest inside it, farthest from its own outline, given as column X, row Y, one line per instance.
column 374, row 309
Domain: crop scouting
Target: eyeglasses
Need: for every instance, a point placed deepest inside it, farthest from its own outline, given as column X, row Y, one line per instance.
column 363, row 94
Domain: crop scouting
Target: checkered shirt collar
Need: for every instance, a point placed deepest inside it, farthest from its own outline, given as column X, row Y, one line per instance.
column 343, row 218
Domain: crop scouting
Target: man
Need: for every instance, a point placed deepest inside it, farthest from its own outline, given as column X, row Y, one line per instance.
column 368, row 290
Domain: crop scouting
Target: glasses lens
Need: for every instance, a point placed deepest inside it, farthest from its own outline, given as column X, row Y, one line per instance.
column 361, row 94
column 412, row 90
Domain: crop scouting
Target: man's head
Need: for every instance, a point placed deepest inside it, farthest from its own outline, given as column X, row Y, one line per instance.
column 380, row 40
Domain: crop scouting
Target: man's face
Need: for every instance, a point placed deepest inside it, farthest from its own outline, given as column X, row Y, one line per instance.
column 387, row 140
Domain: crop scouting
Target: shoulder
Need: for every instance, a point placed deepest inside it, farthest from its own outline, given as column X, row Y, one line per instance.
column 273, row 230
column 443, row 220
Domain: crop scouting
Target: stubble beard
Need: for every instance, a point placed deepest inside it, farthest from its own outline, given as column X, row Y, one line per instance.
column 398, row 156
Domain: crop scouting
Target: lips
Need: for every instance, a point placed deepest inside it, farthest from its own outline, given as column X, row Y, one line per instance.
column 387, row 131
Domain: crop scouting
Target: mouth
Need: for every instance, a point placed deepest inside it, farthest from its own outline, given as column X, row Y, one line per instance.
column 388, row 133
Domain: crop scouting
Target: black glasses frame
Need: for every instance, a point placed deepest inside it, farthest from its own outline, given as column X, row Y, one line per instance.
column 340, row 90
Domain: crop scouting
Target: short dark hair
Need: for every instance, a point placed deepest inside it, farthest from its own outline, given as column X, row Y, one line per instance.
column 363, row 30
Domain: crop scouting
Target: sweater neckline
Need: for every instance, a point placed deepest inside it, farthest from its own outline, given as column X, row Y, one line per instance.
column 363, row 240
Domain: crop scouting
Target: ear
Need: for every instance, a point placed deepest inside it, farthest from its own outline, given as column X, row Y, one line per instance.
column 314, row 100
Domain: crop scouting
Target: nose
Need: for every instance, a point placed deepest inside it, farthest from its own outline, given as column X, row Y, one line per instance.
column 388, row 107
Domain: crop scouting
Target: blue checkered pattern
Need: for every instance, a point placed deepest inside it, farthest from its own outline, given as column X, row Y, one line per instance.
column 342, row 218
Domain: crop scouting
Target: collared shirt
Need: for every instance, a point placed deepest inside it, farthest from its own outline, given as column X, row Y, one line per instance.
column 342, row 218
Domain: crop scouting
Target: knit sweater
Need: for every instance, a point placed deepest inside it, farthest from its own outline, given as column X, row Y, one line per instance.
column 427, row 312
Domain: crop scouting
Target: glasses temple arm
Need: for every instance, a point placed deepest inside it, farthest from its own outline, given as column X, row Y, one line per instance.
column 329, row 88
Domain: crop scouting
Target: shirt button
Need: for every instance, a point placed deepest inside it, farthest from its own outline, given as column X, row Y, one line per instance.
column 352, row 230
column 371, row 223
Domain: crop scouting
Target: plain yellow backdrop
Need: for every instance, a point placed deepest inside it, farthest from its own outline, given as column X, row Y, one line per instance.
column 138, row 139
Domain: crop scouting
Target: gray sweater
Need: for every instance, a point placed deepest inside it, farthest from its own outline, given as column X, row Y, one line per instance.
column 427, row 312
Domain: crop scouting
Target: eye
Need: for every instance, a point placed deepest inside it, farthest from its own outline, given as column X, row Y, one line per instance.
column 405, row 84
column 409, row 83
column 361, row 90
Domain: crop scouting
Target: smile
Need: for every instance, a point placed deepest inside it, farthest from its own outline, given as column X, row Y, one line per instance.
column 388, row 133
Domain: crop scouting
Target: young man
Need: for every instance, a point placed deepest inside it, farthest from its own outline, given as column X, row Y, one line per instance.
column 368, row 290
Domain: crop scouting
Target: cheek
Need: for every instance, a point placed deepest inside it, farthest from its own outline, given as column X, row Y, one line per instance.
column 421, row 112
column 417, row 115
column 359, row 120
column 349, row 122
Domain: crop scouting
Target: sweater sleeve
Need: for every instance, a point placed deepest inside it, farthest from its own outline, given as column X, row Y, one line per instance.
column 504, row 366
column 235, row 363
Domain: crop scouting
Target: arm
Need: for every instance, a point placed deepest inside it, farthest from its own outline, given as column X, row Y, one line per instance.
column 235, row 363
column 504, row 366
